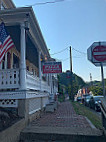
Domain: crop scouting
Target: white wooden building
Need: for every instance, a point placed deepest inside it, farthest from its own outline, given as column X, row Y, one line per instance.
column 22, row 84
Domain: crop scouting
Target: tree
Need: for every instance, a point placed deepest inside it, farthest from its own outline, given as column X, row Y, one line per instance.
column 76, row 81
column 97, row 90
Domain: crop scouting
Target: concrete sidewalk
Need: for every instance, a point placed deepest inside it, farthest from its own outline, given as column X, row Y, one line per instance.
column 62, row 125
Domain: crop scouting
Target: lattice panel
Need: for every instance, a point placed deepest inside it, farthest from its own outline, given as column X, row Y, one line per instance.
column 34, row 105
column 8, row 103
column 45, row 101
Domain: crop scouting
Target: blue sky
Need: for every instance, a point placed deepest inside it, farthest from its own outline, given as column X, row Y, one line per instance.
column 75, row 23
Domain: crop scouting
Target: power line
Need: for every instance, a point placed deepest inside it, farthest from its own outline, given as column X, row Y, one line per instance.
column 79, row 51
column 59, row 51
column 69, row 58
column 48, row 2
column 68, row 49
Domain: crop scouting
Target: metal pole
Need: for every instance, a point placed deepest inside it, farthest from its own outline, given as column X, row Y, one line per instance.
column 103, row 83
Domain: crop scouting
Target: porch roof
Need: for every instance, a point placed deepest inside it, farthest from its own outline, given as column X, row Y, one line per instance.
column 16, row 16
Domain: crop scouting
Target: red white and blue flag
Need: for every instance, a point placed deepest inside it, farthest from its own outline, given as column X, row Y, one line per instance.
column 6, row 42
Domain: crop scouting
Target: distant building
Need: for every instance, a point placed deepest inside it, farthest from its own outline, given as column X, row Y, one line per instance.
column 85, row 90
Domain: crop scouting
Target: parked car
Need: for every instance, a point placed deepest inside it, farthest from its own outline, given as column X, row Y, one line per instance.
column 94, row 102
column 86, row 100
column 84, row 97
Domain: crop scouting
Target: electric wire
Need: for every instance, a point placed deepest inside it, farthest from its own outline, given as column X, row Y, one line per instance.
column 69, row 58
column 48, row 2
column 59, row 51
column 79, row 51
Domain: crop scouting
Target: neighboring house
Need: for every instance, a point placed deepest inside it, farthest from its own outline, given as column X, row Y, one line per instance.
column 85, row 90
column 22, row 84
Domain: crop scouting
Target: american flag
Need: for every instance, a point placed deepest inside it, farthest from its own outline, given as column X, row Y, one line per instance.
column 6, row 42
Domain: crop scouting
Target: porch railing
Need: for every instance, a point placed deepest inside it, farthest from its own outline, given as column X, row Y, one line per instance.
column 33, row 82
column 9, row 78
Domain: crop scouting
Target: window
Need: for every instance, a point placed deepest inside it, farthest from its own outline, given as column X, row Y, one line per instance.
column 2, row 6
column 15, row 61
column 8, row 60
column 27, row 68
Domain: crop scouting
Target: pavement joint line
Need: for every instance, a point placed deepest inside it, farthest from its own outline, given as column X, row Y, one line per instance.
column 92, row 126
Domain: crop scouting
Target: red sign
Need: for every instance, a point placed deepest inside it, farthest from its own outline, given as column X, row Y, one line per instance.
column 52, row 67
column 99, row 53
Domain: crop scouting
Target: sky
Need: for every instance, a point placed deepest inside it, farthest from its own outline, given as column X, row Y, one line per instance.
column 75, row 23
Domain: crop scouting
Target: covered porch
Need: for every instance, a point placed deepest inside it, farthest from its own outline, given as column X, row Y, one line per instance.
column 22, row 84
column 21, row 66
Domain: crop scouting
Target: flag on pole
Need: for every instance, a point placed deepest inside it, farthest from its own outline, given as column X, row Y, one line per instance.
column 6, row 42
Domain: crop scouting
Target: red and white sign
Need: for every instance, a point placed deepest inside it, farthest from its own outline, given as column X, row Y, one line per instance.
column 52, row 67
column 99, row 53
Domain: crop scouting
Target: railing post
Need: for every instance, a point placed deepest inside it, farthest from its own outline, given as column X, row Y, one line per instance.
column 6, row 61
column 40, row 74
column 23, row 59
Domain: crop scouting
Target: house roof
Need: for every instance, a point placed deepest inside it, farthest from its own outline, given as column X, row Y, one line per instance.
column 16, row 16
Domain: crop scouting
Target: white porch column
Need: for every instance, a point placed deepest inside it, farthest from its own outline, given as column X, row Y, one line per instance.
column 23, row 59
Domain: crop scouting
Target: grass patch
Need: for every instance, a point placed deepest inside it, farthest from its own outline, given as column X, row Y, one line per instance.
column 80, row 109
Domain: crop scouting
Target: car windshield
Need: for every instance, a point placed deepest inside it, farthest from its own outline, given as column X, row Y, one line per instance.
column 97, row 98
column 88, row 97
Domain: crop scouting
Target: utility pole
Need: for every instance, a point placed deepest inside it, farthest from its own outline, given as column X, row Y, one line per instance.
column 90, row 79
column 71, row 97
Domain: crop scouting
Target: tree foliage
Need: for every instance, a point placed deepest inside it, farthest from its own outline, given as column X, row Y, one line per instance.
column 97, row 90
column 77, row 82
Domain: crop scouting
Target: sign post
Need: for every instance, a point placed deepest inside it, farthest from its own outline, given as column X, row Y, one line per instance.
column 97, row 55
column 103, row 83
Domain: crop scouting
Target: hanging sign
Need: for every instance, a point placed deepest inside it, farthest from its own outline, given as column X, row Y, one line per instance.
column 52, row 67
